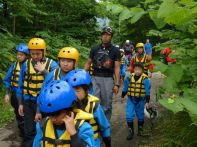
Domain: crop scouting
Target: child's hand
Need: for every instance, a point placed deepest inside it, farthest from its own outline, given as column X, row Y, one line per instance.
column 6, row 98
column 20, row 110
column 38, row 117
column 40, row 66
column 70, row 125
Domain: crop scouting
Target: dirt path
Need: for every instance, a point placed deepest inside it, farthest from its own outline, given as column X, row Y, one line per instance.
column 9, row 137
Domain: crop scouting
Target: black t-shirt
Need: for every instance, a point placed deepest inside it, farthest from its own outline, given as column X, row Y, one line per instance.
column 103, row 59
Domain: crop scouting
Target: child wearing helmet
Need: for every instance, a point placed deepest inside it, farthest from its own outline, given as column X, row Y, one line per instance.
column 32, row 75
column 123, row 65
column 142, row 57
column 81, row 82
column 165, row 56
column 11, row 83
column 63, row 126
column 68, row 59
column 137, row 88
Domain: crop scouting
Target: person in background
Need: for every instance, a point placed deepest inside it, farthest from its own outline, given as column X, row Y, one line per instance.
column 32, row 75
column 137, row 88
column 165, row 56
column 142, row 57
column 128, row 49
column 81, row 82
column 11, row 83
column 148, row 47
column 105, row 59
column 68, row 59
column 123, row 65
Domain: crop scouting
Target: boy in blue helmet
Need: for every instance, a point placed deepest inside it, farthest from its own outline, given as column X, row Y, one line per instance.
column 81, row 83
column 11, row 83
column 32, row 75
column 137, row 88
column 63, row 126
column 68, row 59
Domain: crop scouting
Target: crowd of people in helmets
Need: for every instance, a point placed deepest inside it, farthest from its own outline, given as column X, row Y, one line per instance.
column 57, row 104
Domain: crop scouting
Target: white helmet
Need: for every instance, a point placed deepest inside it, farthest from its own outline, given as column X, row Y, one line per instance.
column 151, row 112
column 127, row 41
column 121, row 50
column 117, row 46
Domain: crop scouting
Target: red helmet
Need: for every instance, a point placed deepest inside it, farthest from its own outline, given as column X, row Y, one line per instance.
column 167, row 50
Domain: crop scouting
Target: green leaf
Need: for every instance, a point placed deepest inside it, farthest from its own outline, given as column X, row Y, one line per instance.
column 155, row 33
column 137, row 14
column 116, row 9
column 188, row 3
column 125, row 14
column 159, row 22
column 166, row 8
column 159, row 66
column 181, row 104
column 180, row 16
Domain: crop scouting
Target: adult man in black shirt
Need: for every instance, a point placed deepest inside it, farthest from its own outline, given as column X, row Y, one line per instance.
column 105, row 59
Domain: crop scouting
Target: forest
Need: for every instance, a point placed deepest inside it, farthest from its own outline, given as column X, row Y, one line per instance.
column 167, row 23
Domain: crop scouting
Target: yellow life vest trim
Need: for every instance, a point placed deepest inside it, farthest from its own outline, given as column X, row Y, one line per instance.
column 144, row 63
column 50, row 139
column 91, row 70
column 15, row 74
column 57, row 74
column 92, row 100
column 136, row 88
column 33, row 80
column 123, row 60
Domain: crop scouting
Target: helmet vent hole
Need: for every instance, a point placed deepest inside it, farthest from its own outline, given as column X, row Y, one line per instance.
column 49, row 105
column 32, row 43
column 57, row 87
column 66, row 80
column 68, row 51
column 36, row 43
column 51, row 91
column 63, row 51
column 74, row 79
column 51, row 85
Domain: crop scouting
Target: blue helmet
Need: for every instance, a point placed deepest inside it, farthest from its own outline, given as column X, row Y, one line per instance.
column 56, row 95
column 70, row 74
column 81, row 77
column 22, row 48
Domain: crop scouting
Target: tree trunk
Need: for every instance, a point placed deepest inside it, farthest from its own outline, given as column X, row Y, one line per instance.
column 14, row 24
column 5, row 8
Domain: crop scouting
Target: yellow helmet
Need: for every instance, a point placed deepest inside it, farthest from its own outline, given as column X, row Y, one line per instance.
column 37, row 44
column 140, row 45
column 69, row 53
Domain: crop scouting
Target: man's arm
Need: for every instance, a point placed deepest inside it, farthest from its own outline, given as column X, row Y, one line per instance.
column 117, row 72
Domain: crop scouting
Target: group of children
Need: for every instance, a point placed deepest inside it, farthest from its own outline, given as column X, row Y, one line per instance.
column 53, row 104
column 136, row 86
column 52, row 107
